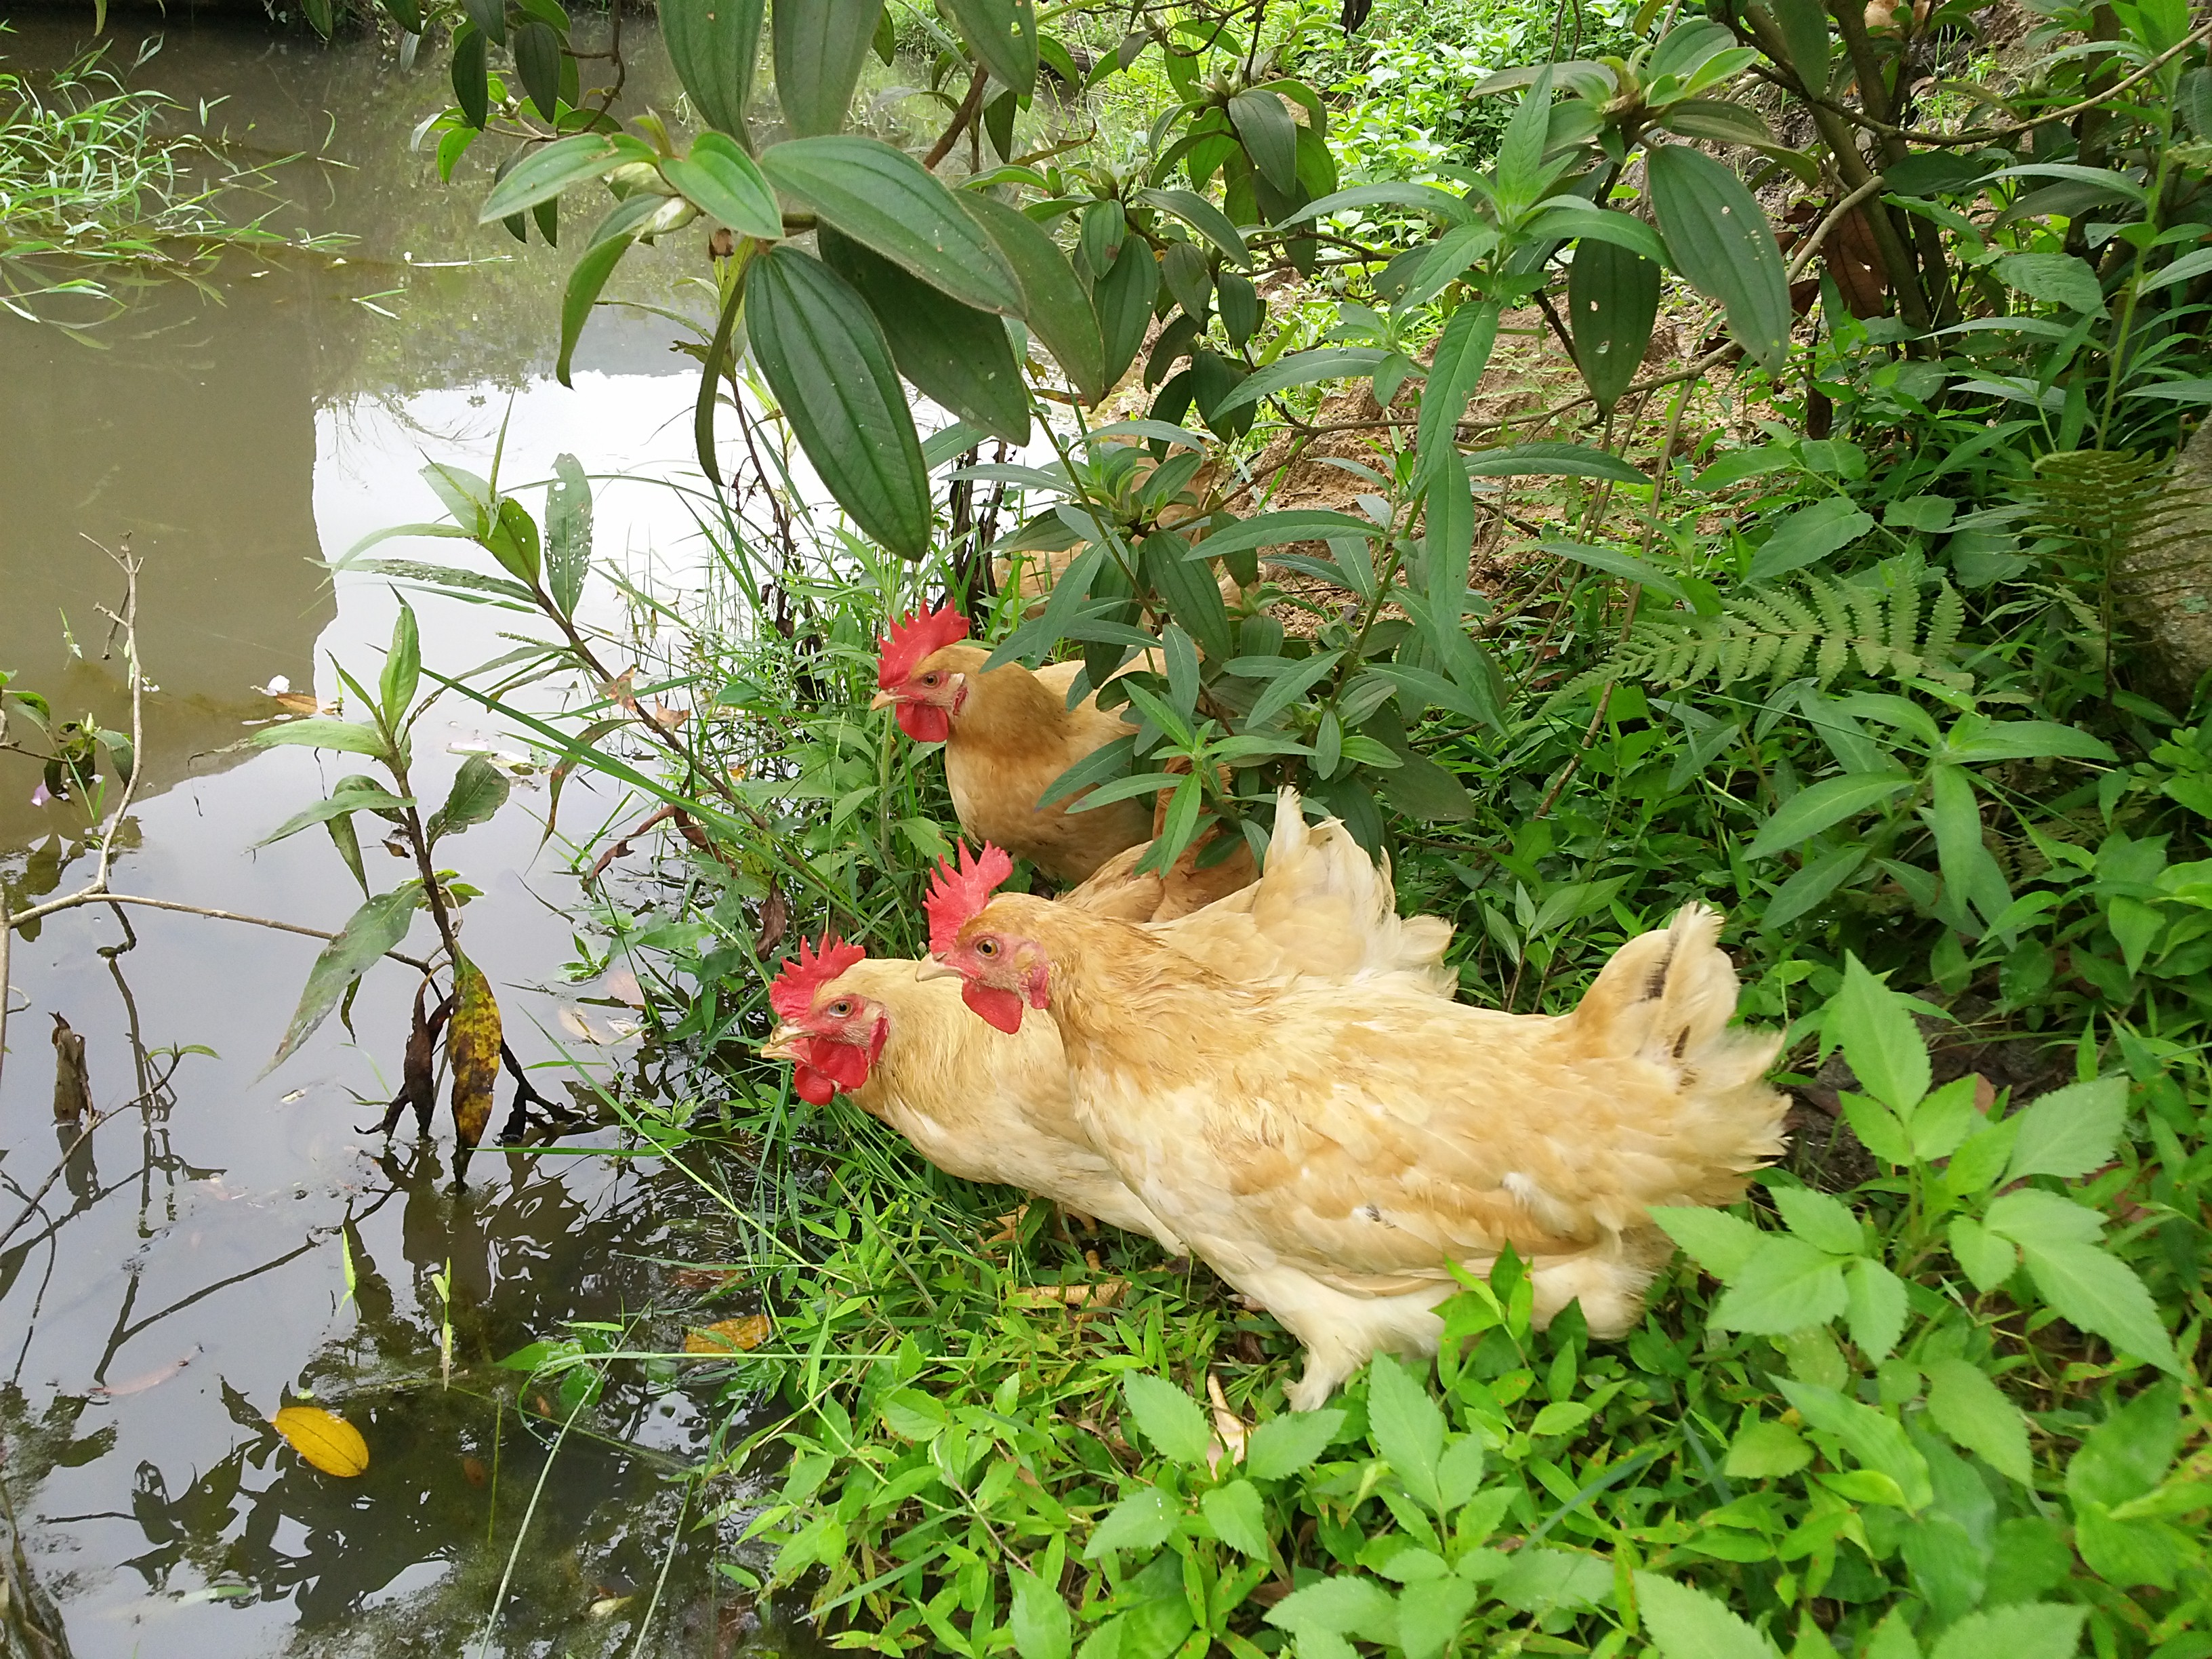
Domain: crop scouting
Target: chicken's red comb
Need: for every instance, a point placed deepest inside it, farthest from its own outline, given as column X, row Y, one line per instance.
column 909, row 641
column 957, row 894
column 792, row 995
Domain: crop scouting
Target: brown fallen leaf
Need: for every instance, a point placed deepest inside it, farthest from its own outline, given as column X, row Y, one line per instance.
column 1228, row 1429
column 324, row 1439
column 473, row 1471
column 1099, row 1294
column 622, row 985
column 706, row 1278
column 301, row 702
column 72, row 1083
column 728, row 1335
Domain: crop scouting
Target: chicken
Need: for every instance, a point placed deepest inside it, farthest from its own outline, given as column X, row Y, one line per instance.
column 1007, row 734
column 996, row 1106
column 1333, row 1149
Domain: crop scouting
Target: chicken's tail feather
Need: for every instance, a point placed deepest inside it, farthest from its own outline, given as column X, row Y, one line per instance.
column 1335, row 907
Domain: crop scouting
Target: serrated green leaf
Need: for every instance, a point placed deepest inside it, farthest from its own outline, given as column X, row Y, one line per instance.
column 1879, row 1040
column 1237, row 1517
column 1786, row 1285
column 1285, row 1446
column 1974, row 1411
column 1718, row 1242
column 2070, row 1131
column 1174, row 1422
column 1688, row 1623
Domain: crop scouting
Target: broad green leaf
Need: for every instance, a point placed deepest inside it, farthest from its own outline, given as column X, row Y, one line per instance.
column 1570, row 217
column 2070, row 1131
column 825, row 355
column 1174, row 1422
column 1269, row 136
column 1202, row 217
column 1786, row 1285
column 1720, row 241
column 568, row 533
column 2033, row 1630
column 2055, row 278
column 2033, row 1216
column 1286, row 1445
column 513, row 540
column 1421, row 198
column 1003, row 35
column 1688, row 1623
column 1538, row 1580
column 1237, row 1517
column 1430, row 1613
column 1719, row 1242
column 1822, row 806
column 479, row 790
column 1052, row 300
column 586, row 279
column 913, row 1415
column 402, row 667
column 1339, row 1605
column 819, row 46
column 726, row 183
column 1279, row 528
column 1193, row 597
column 1549, row 458
column 471, row 77
column 1803, row 25
column 1987, row 1258
column 2129, row 1453
column 374, row 799
column 1874, row 1308
column 537, row 52
column 715, row 47
column 1612, row 297
column 1302, row 368
column 1974, row 1411
column 378, row 927
column 2102, row 1293
column 1407, row 1426
column 1718, row 120
column 1807, row 536
column 955, row 355
column 542, row 174
column 342, row 735
column 1875, row 1439
column 1462, row 355
column 1880, row 1041
column 1767, row 1450
column 1124, row 300
column 882, row 198
column 1038, row 1617
column 1823, row 1221
column 1142, row 1521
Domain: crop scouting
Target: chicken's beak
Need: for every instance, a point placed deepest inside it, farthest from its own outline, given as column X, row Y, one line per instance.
column 931, row 968
column 884, row 700
column 781, row 1043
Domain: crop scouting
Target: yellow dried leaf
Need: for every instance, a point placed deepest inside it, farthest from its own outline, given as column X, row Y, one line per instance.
column 472, row 1051
column 324, row 1439
column 1103, row 1294
column 728, row 1335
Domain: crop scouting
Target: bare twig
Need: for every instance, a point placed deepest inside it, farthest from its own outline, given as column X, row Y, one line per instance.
column 961, row 117
column 87, row 897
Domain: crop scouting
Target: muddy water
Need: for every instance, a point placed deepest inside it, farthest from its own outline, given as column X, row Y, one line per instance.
column 186, row 1274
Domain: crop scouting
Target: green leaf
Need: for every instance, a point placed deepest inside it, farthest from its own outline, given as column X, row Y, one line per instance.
column 1568, row 217
column 1721, row 243
column 1874, row 1309
column 1003, row 35
column 1879, row 1040
column 2129, row 1453
column 954, row 354
column 1718, row 120
column 726, row 183
column 543, row 173
column 2055, row 278
column 1340, row 1606
column 1302, row 368
column 568, row 533
column 1974, row 1411
column 472, row 79
column 343, row 801
column 1803, row 25
column 1124, row 298
column 378, row 927
column 537, row 51
column 1786, row 1285
column 402, row 667
column 2102, row 1293
column 1720, row 1243
column 1174, row 1422
column 588, row 277
column 1875, row 1439
column 1612, row 297
column 1202, row 217
column 1462, row 353
column 882, row 198
column 1286, row 1445
column 1807, row 536
column 825, row 355
column 489, row 16
column 1053, row 302
column 1407, row 1427
column 1142, row 1521
column 479, row 790
column 2070, row 1131
column 913, row 1415
column 1822, row 806
column 2033, row 1630
column 1287, row 687
column 1038, row 1617
column 1688, row 1623
column 1987, row 1258
column 1431, row 1611
column 1822, row 1221
column 1767, row 1450
column 1280, row 529
column 1269, row 136
column 1187, row 586
column 342, row 735
column 1549, row 458
column 514, row 541
column 819, row 46
column 1237, row 1517
column 715, row 47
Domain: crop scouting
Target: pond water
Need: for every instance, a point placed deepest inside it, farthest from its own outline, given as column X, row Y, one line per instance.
column 187, row 1273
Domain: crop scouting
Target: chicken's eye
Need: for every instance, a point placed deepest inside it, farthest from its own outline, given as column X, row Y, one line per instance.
column 986, row 947
column 841, row 1010
column 929, row 679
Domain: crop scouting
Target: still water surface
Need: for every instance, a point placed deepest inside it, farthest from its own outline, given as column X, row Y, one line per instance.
column 186, row 1276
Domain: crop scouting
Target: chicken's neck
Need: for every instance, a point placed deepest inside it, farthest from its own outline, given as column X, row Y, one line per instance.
column 1006, row 709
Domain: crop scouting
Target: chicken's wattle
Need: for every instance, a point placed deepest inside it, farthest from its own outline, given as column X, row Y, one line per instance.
column 1001, row 1008
column 924, row 722
column 825, row 1065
